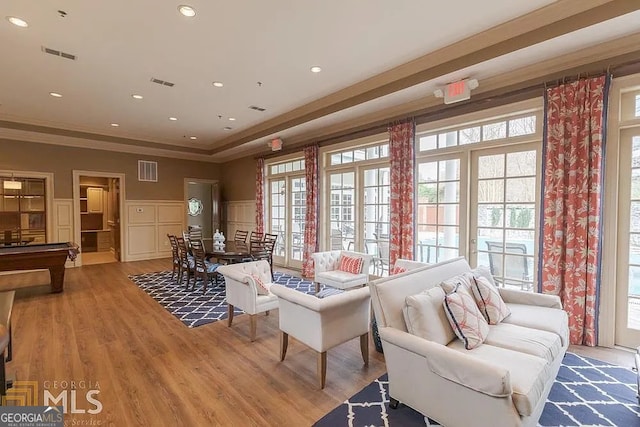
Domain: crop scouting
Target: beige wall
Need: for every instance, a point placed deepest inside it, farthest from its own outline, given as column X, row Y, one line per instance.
column 31, row 156
column 239, row 179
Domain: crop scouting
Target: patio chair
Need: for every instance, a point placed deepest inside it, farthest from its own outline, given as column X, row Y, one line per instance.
column 514, row 261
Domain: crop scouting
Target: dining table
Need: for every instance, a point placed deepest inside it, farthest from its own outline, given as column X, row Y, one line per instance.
column 232, row 252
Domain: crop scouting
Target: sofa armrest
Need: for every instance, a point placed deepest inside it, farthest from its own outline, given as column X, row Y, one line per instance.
column 514, row 296
column 452, row 365
column 237, row 275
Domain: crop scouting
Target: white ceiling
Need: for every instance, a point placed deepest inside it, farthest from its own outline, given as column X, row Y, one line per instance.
column 121, row 44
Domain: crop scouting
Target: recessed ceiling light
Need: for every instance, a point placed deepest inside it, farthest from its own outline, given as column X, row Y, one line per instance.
column 227, row 128
column 173, row 119
column 193, row 137
column 187, row 11
column 315, row 69
column 218, row 84
column 115, row 125
column 233, row 119
column 55, row 94
column 136, row 96
column 17, row 21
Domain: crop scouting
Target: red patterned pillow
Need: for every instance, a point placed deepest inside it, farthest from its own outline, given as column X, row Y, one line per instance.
column 489, row 301
column 465, row 318
column 263, row 288
column 350, row 264
column 397, row 270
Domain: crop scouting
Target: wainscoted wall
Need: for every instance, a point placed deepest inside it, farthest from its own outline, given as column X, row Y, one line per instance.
column 63, row 223
column 239, row 215
column 148, row 223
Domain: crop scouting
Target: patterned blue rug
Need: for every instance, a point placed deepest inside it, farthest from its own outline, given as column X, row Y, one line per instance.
column 194, row 308
column 586, row 392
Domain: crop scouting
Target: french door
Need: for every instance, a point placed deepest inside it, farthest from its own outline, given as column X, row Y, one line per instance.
column 287, row 198
column 504, row 212
column 628, row 268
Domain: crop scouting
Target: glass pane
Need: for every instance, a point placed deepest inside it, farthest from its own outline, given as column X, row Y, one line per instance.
column 470, row 135
column 373, row 153
column 428, row 142
column 491, row 166
column 280, row 168
column 449, row 170
column 522, row 126
column 490, row 215
column 447, row 139
column 491, row 190
column 634, row 249
column 637, row 105
column 359, row 155
column 448, row 214
column 427, row 172
column 635, row 217
column 521, row 190
column 448, row 236
column 384, row 150
column 336, row 159
column 288, row 167
column 427, row 193
column 490, row 238
column 635, row 152
column 635, row 184
column 427, row 214
column 494, row 131
column 634, row 281
column 348, row 180
column 521, row 164
column 521, row 216
column 274, row 169
column 347, row 157
column 449, row 192
column 370, row 177
column 523, row 237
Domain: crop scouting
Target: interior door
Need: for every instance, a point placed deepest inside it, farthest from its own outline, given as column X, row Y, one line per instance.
column 503, row 223
column 628, row 268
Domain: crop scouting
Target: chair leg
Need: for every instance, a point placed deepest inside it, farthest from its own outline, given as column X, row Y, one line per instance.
column 284, row 344
column 229, row 314
column 253, row 319
column 322, row 369
column 364, row 348
column 266, row 313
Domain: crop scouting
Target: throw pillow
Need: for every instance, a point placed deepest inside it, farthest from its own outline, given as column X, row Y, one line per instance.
column 489, row 301
column 425, row 317
column 397, row 270
column 350, row 264
column 464, row 280
column 484, row 271
column 465, row 318
column 263, row 288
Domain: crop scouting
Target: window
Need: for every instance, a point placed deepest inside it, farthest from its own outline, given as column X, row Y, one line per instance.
column 359, row 154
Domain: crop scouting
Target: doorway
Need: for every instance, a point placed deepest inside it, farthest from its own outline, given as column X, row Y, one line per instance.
column 202, row 198
column 97, row 214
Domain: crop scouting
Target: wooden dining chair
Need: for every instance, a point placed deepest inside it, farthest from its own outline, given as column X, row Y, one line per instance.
column 202, row 268
column 241, row 236
column 185, row 267
column 175, row 253
column 256, row 237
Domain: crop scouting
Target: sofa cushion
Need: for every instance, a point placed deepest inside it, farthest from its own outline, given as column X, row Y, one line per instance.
column 535, row 342
column 261, row 286
column 489, row 300
column 529, row 374
column 349, row 264
column 542, row 318
column 341, row 279
column 425, row 317
column 465, row 317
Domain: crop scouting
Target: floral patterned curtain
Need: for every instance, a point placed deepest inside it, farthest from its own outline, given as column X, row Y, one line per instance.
column 572, row 201
column 401, row 148
column 260, row 195
column 311, row 215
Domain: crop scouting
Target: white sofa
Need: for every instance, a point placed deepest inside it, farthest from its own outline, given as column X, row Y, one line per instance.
column 242, row 291
column 326, row 270
column 503, row 382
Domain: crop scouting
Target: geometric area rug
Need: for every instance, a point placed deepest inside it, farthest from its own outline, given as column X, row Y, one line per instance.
column 193, row 307
column 586, row 392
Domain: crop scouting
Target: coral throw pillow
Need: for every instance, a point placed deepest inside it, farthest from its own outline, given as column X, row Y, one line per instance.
column 465, row 318
column 350, row 264
column 397, row 270
column 489, row 301
column 263, row 288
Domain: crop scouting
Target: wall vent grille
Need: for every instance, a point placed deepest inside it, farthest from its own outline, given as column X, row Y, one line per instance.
column 147, row 171
column 59, row 53
column 255, row 107
column 162, row 82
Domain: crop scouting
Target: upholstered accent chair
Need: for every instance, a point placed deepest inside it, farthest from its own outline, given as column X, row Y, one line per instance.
column 327, row 270
column 323, row 323
column 241, row 281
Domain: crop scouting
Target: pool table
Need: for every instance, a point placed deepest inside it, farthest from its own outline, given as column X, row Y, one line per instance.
column 51, row 256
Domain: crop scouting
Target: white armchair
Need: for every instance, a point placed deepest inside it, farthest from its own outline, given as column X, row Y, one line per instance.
column 324, row 323
column 327, row 273
column 242, row 290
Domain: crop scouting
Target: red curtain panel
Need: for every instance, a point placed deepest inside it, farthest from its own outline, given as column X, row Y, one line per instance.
column 260, row 195
column 311, row 215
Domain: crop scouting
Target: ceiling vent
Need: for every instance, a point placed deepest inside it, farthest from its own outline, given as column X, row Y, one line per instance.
column 254, row 107
column 162, row 82
column 147, row 171
column 59, row 53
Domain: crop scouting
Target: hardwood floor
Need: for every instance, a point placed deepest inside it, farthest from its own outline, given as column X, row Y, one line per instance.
column 105, row 333
column 152, row 370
